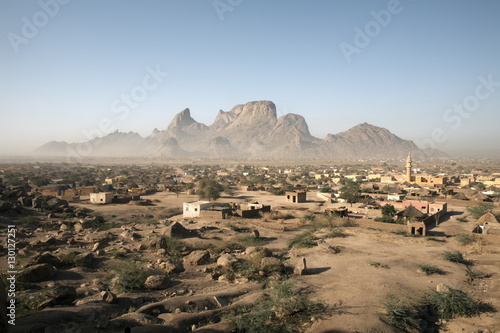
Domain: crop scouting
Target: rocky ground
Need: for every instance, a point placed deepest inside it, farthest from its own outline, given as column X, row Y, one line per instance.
column 85, row 268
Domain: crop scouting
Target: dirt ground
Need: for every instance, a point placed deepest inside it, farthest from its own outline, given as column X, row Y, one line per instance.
column 372, row 265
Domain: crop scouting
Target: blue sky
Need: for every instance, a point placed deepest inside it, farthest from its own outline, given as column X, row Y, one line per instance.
column 61, row 81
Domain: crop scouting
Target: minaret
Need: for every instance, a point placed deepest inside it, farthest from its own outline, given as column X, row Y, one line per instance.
column 408, row 168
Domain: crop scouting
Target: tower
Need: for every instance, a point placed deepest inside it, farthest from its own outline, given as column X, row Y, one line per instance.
column 408, row 168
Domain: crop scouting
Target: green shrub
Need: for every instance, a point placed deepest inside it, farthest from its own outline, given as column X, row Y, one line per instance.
column 385, row 219
column 336, row 233
column 281, row 309
column 465, row 239
column 305, row 239
column 454, row 256
column 454, row 303
column 475, row 274
column 400, row 314
column 430, row 269
column 128, row 276
column 251, row 240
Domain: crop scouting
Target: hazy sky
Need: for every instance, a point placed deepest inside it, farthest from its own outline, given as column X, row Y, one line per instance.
column 426, row 70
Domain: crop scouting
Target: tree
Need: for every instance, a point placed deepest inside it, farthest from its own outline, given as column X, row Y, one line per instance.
column 388, row 210
column 480, row 210
column 209, row 189
column 350, row 192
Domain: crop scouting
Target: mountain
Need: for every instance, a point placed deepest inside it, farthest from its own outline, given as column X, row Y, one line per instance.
column 250, row 130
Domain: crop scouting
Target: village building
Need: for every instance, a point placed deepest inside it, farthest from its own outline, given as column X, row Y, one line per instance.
column 194, row 208
column 296, row 196
column 101, row 198
column 487, row 225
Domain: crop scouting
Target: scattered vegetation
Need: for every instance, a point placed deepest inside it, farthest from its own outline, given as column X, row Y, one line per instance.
column 379, row 265
column 454, row 303
column 128, row 276
column 462, row 219
column 480, row 209
column 455, row 256
column 277, row 215
column 251, row 240
column 415, row 315
column 303, row 240
column 404, row 233
column 401, row 315
column 430, row 269
column 281, row 309
column 465, row 239
column 336, row 233
column 473, row 274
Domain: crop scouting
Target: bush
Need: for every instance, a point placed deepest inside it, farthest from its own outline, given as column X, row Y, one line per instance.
column 455, row 256
column 475, row 274
column 281, row 309
column 480, row 210
column 336, row 233
column 454, row 303
column 252, row 241
column 465, row 239
column 305, row 239
column 462, row 219
column 385, row 219
column 430, row 269
column 128, row 276
column 400, row 315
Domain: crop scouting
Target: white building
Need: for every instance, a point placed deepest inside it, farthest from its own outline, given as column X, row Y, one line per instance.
column 101, row 198
column 193, row 208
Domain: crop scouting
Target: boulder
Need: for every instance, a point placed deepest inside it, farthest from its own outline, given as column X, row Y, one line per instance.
column 226, row 261
column 177, row 230
column 197, row 258
column 56, row 204
column 172, row 266
column 442, row 288
column 108, row 296
column 58, row 296
column 37, row 273
column 256, row 233
column 84, row 259
column 258, row 252
column 300, row 267
column 48, row 258
column 271, row 264
column 156, row 282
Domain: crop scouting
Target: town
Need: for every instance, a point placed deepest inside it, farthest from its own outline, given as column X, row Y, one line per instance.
column 113, row 247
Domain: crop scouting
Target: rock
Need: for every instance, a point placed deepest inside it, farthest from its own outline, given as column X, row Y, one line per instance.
column 172, row 266
column 325, row 247
column 156, row 282
column 442, row 288
column 37, row 273
column 220, row 302
column 99, row 237
column 84, row 259
column 134, row 319
column 129, row 236
column 5, row 205
column 161, row 252
column 256, row 252
column 108, row 296
column 256, row 234
column 56, row 204
column 48, row 258
column 177, row 230
column 96, row 246
column 300, row 268
column 59, row 296
column 271, row 264
column 197, row 257
column 226, row 260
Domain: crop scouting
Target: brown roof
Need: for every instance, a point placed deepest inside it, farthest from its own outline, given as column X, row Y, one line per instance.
column 411, row 211
column 488, row 218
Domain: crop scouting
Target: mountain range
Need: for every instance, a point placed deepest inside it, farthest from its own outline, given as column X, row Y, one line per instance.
column 250, row 130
